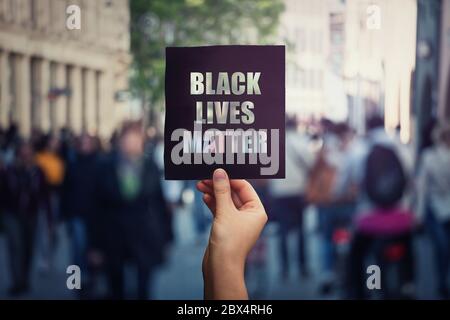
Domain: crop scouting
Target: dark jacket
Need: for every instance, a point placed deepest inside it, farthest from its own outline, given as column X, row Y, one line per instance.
column 138, row 229
column 25, row 191
column 78, row 190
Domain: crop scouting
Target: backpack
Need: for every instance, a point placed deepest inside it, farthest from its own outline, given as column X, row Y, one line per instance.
column 385, row 178
column 321, row 182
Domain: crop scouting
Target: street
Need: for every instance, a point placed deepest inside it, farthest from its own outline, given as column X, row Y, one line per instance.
column 180, row 277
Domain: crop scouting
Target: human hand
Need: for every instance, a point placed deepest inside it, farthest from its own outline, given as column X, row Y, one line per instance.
column 239, row 218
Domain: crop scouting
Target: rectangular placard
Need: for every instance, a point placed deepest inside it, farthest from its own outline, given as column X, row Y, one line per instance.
column 225, row 108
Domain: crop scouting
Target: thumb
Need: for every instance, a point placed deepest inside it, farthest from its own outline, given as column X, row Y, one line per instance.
column 222, row 190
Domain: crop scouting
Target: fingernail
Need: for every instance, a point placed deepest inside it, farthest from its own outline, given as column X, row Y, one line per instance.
column 219, row 174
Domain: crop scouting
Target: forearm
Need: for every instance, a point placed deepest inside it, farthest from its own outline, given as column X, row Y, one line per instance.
column 224, row 278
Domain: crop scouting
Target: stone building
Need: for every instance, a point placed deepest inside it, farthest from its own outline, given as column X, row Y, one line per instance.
column 53, row 76
column 304, row 27
column 432, row 75
column 380, row 40
column 444, row 62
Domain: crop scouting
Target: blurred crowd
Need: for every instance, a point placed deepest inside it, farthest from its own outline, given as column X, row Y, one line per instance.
column 108, row 195
column 371, row 193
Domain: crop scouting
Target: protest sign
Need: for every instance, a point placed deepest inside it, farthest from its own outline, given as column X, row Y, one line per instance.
column 225, row 108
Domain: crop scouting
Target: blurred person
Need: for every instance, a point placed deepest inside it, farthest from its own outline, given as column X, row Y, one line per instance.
column 334, row 203
column 2, row 184
column 288, row 196
column 132, row 212
column 24, row 193
column 36, row 137
column 239, row 218
column 78, row 203
column 67, row 142
column 353, row 173
column 387, row 233
column 52, row 165
column 49, row 160
column 383, row 221
column 426, row 136
column 262, row 187
column 2, row 142
column 10, row 140
column 256, row 268
column 172, row 189
column 201, row 220
column 2, row 176
column 434, row 200
column 256, row 271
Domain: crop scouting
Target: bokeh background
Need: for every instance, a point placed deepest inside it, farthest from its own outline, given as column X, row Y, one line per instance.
column 76, row 104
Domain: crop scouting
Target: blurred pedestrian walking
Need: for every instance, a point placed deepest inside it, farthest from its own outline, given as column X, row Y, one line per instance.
column 24, row 192
column 334, row 201
column 51, row 163
column 434, row 201
column 288, row 196
column 132, row 212
column 384, row 223
column 78, row 202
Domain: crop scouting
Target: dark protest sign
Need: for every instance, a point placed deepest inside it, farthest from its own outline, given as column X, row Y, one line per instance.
column 225, row 109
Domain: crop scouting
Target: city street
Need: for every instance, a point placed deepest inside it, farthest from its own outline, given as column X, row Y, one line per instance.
column 112, row 111
column 180, row 277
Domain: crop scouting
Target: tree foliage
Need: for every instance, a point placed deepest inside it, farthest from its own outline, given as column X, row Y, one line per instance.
column 160, row 23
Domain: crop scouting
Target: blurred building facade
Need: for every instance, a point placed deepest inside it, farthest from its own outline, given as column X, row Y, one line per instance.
column 426, row 73
column 348, row 59
column 380, row 60
column 52, row 77
column 432, row 74
column 337, row 102
column 304, row 28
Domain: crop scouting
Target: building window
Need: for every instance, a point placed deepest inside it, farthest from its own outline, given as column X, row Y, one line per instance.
column 35, row 93
column 52, row 105
column 69, row 86
column 12, row 59
column 98, row 79
column 14, row 11
column 34, row 14
column 83, row 99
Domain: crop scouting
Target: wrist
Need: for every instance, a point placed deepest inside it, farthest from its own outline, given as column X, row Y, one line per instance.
column 224, row 257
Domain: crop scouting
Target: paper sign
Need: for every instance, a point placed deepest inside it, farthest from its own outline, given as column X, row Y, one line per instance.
column 225, row 108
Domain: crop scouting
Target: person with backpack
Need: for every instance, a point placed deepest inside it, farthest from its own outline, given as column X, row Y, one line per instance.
column 384, row 180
